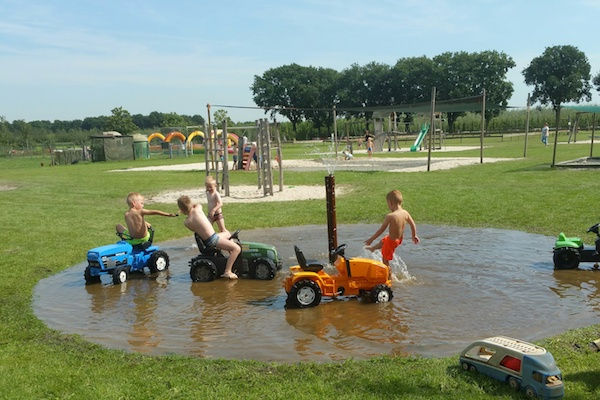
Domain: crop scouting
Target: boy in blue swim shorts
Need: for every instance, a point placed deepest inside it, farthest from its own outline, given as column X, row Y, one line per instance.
column 198, row 223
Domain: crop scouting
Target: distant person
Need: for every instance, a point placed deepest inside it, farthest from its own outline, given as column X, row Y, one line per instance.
column 396, row 220
column 214, row 204
column 545, row 133
column 137, row 231
column 197, row 222
column 369, row 143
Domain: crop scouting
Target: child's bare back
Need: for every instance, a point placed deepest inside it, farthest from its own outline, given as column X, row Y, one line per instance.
column 197, row 222
column 397, row 221
column 136, row 225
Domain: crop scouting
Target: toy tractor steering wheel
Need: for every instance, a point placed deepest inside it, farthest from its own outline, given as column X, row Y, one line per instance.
column 594, row 229
column 339, row 251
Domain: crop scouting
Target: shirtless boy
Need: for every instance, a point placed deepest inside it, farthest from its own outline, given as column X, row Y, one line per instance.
column 214, row 204
column 197, row 222
column 396, row 221
column 137, row 228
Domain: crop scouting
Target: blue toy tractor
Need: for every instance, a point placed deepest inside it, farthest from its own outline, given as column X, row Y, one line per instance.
column 121, row 258
column 570, row 251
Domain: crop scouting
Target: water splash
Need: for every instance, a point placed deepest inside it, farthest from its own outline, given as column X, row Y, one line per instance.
column 327, row 157
column 399, row 268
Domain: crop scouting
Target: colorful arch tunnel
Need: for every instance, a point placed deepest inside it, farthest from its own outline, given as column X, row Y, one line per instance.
column 231, row 138
column 156, row 135
column 175, row 134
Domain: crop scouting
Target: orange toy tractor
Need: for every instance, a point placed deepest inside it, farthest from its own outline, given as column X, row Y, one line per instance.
column 308, row 282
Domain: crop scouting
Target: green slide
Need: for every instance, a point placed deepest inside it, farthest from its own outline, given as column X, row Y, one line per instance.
column 420, row 136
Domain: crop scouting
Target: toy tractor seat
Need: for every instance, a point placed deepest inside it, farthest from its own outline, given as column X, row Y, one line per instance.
column 207, row 251
column 307, row 265
column 140, row 246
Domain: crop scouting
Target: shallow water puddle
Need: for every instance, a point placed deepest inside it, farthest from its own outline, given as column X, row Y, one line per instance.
column 458, row 285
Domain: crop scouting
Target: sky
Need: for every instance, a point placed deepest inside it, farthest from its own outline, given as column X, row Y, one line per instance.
column 71, row 59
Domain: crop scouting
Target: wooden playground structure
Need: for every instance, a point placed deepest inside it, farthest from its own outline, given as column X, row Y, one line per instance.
column 216, row 156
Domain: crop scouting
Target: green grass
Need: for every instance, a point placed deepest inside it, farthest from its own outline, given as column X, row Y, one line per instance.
column 57, row 213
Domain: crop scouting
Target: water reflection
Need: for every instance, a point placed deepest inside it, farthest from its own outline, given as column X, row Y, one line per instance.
column 583, row 285
column 451, row 291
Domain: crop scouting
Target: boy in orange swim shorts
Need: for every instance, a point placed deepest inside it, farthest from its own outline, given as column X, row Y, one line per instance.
column 396, row 220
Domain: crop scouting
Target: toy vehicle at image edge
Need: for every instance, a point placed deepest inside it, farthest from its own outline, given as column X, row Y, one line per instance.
column 257, row 260
column 122, row 258
column 521, row 364
column 308, row 282
column 570, row 251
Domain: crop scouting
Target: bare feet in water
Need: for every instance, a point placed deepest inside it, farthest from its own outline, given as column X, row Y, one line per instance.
column 229, row 275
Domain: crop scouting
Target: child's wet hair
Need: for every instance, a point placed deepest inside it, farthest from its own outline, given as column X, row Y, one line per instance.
column 395, row 197
column 210, row 180
column 133, row 196
column 184, row 203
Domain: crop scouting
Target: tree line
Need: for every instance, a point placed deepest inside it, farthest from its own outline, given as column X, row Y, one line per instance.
column 561, row 74
column 309, row 93
column 24, row 135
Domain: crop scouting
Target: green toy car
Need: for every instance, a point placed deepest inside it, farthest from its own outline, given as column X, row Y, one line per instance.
column 570, row 251
column 257, row 261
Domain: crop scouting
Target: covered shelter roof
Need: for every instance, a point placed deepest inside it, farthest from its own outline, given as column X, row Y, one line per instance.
column 584, row 108
column 473, row 103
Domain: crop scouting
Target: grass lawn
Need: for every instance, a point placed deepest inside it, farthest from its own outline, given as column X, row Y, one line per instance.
column 55, row 214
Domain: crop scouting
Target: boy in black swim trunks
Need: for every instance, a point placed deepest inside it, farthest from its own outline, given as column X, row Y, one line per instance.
column 197, row 222
column 214, row 204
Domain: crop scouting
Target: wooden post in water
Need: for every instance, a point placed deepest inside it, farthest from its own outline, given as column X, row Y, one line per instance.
column 331, row 221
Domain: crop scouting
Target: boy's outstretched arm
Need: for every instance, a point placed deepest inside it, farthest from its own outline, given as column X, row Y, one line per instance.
column 413, row 228
column 382, row 228
column 158, row 212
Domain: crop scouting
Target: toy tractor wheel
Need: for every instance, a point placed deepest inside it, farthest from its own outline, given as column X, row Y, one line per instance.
column 566, row 258
column 263, row 270
column 159, row 261
column 464, row 366
column 89, row 278
column 381, row 294
column 203, row 271
column 120, row 275
column 305, row 293
column 514, row 383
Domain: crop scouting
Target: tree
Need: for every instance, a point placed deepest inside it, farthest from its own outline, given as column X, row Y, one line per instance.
column 280, row 87
column 463, row 74
column 412, row 80
column 365, row 86
column 597, row 81
column 23, row 130
column 221, row 115
column 172, row 120
column 561, row 74
column 320, row 94
column 121, row 121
